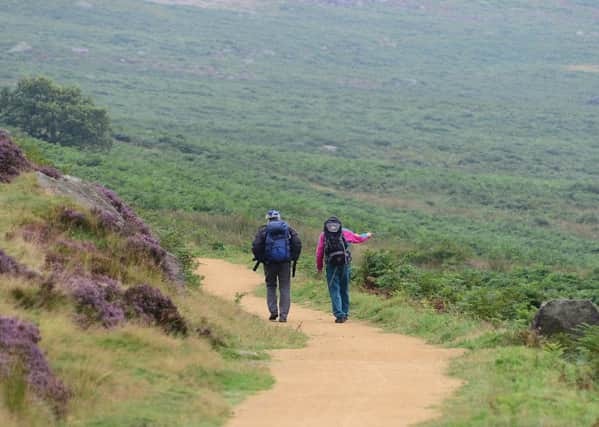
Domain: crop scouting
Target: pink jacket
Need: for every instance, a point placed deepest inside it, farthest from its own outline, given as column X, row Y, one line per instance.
column 349, row 235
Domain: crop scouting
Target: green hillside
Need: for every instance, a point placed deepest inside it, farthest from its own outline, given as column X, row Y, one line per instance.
column 113, row 369
column 443, row 120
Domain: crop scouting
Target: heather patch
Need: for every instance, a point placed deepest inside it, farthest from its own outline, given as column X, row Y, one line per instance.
column 39, row 233
column 133, row 223
column 67, row 254
column 8, row 265
column 72, row 218
column 147, row 246
column 107, row 220
column 152, row 306
column 19, row 351
column 50, row 171
column 97, row 300
column 67, row 245
column 12, row 159
column 140, row 244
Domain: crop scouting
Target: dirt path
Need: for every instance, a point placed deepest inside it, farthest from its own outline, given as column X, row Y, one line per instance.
column 348, row 375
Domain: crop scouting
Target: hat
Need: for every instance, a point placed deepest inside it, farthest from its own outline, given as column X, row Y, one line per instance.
column 273, row 215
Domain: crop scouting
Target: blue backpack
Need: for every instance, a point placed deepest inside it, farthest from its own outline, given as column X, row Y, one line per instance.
column 277, row 245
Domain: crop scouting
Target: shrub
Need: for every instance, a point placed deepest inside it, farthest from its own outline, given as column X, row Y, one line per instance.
column 12, row 160
column 72, row 218
column 486, row 295
column 142, row 244
column 98, row 300
column 181, row 269
column 19, row 350
column 152, row 306
column 9, row 266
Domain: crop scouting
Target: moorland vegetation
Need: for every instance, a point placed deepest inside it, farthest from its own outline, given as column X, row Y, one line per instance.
column 462, row 133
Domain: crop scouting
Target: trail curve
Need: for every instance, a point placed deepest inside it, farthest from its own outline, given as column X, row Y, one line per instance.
column 348, row 375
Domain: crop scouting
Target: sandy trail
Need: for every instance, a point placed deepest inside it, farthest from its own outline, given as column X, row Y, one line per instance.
column 348, row 375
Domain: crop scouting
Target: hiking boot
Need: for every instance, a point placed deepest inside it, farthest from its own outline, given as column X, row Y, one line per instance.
column 273, row 317
column 339, row 320
column 283, row 319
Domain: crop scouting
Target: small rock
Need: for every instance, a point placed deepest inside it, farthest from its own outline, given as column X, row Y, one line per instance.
column 20, row 47
column 80, row 50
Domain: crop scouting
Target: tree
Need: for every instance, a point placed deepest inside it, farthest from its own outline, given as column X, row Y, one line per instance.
column 57, row 114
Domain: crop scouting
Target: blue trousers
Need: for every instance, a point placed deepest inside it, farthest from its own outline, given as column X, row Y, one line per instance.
column 338, row 281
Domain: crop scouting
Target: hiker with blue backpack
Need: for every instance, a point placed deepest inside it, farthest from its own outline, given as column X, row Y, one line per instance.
column 333, row 250
column 277, row 246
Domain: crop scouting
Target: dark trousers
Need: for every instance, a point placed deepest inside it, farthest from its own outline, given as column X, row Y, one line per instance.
column 278, row 274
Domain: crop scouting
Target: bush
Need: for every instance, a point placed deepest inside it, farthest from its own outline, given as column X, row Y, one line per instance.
column 488, row 295
column 98, row 300
column 57, row 114
column 9, row 266
column 152, row 306
column 173, row 240
column 20, row 354
column 12, row 159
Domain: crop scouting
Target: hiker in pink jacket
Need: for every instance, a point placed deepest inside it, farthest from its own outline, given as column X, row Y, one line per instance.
column 333, row 250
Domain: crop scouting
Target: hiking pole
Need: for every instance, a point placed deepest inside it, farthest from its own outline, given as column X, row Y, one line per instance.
column 257, row 264
column 294, row 267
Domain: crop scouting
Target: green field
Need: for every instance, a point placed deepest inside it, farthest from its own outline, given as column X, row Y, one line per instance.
column 443, row 120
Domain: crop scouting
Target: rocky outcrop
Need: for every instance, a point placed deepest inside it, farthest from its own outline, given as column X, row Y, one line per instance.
column 114, row 214
column 83, row 193
column 564, row 316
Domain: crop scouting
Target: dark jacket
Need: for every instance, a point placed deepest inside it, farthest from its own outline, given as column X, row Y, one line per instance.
column 259, row 244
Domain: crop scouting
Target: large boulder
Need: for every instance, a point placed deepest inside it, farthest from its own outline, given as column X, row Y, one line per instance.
column 564, row 316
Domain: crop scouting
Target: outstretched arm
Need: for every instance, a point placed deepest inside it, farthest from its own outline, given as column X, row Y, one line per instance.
column 352, row 237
